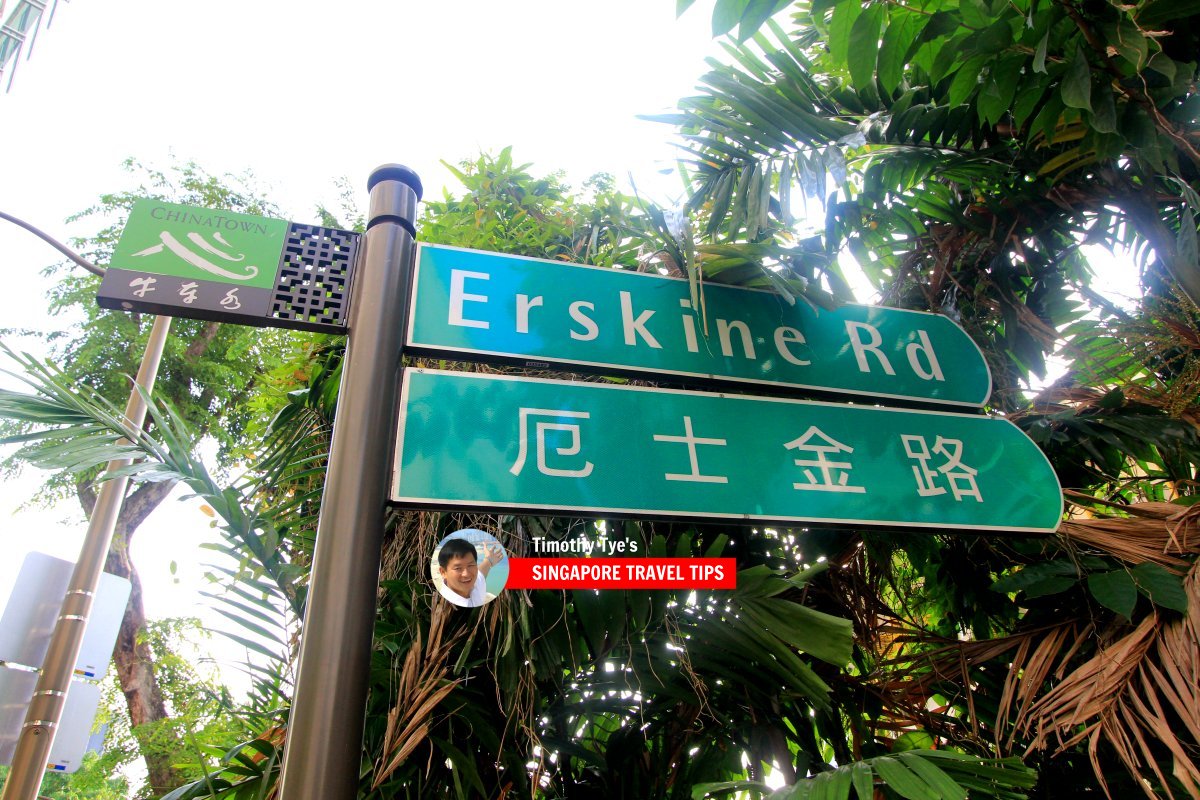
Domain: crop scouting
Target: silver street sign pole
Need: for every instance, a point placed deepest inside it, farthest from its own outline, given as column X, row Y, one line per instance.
column 324, row 743
column 50, row 696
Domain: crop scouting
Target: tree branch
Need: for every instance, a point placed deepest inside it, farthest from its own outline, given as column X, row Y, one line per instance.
column 1133, row 95
column 139, row 505
column 200, row 344
column 85, row 490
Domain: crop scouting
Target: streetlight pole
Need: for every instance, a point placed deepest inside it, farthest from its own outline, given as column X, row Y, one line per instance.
column 49, row 697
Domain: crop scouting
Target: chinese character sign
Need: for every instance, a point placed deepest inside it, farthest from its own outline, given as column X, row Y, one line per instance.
column 540, row 428
column 523, row 443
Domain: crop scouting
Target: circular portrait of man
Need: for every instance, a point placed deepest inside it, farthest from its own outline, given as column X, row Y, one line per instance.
column 469, row 568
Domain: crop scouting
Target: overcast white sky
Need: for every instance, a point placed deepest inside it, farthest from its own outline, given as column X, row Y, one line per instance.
column 302, row 93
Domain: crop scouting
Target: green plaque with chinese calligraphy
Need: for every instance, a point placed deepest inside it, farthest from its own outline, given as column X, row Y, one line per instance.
column 229, row 267
column 489, row 441
column 201, row 244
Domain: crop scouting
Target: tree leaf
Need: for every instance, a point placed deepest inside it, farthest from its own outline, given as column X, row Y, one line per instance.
column 1104, row 109
column 1128, row 41
column 756, row 14
column 1185, row 240
column 1048, row 586
column 1163, row 65
column 938, row 780
column 995, row 37
column 722, row 197
column 726, row 14
column 845, row 14
column 902, row 780
column 898, row 36
column 1002, row 86
column 702, row 790
column 1076, row 86
column 966, row 80
column 936, row 26
column 1035, row 573
column 864, row 45
column 1026, row 102
column 1115, row 590
column 785, row 192
column 1164, row 588
column 835, row 165
column 833, row 785
column 974, row 13
column 1039, row 55
column 863, row 779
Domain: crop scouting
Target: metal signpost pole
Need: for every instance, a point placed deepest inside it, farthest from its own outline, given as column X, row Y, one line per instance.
column 324, row 744
column 49, row 698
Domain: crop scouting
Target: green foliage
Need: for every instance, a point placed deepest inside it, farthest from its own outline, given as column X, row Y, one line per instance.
column 746, row 15
column 199, row 704
column 246, row 772
column 913, row 775
column 968, row 150
column 1116, row 588
column 963, row 152
column 506, row 209
column 93, row 780
column 260, row 586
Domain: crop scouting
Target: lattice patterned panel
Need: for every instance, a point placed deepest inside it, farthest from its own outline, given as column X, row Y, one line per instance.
column 313, row 286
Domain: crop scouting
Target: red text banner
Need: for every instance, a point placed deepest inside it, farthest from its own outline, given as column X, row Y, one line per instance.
column 621, row 573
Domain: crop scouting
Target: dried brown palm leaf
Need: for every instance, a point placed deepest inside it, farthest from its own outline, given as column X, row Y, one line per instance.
column 1090, row 691
column 904, row 684
column 1035, row 660
column 857, row 589
column 1163, row 533
column 422, row 687
column 1140, row 694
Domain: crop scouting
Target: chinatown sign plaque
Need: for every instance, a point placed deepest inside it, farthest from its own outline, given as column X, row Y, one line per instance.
column 473, row 305
column 544, row 446
column 220, row 265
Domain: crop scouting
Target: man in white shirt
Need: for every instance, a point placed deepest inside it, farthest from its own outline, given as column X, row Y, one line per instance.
column 463, row 579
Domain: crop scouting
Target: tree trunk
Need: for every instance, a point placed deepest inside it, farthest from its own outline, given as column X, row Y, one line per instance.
column 131, row 656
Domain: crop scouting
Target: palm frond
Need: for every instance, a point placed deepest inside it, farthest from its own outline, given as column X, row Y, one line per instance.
column 1140, row 695
column 1161, row 533
column 423, row 686
column 914, row 774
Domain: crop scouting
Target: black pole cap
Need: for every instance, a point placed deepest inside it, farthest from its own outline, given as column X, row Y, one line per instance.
column 395, row 172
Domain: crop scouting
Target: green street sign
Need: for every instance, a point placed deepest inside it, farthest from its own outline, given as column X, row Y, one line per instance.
column 474, row 305
column 497, row 441
column 199, row 263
